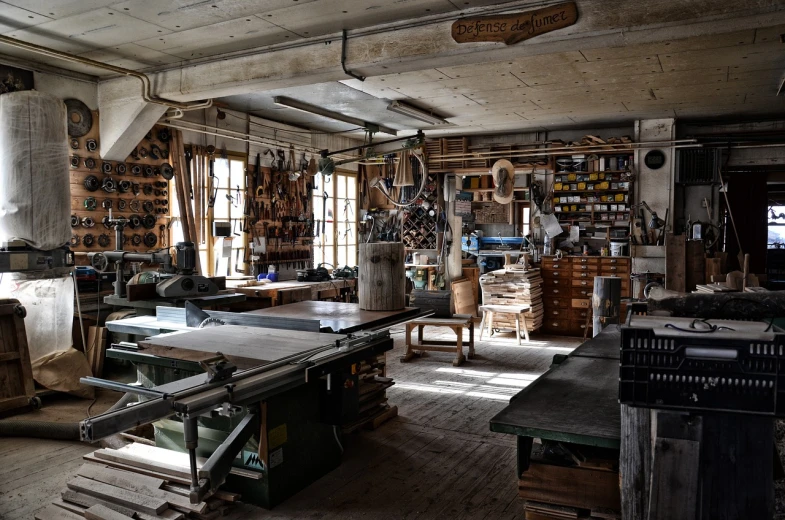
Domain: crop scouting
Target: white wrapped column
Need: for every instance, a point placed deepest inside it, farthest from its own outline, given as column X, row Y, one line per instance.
column 35, row 202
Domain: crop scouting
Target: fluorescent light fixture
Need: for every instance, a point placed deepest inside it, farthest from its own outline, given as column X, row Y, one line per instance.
column 416, row 113
column 329, row 114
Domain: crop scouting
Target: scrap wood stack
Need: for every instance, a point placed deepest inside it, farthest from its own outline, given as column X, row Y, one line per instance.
column 372, row 388
column 514, row 287
column 142, row 482
column 566, row 480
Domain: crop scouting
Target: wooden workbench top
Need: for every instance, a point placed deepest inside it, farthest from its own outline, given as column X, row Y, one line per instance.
column 269, row 290
column 338, row 316
column 575, row 401
column 245, row 346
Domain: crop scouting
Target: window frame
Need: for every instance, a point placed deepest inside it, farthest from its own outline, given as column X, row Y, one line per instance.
column 336, row 227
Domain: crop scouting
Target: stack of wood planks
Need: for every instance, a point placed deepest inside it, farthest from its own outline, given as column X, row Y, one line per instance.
column 372, row 387
column 136, row 481
column 514, row 287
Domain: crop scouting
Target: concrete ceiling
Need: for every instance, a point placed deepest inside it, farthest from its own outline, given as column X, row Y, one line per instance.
column 732, row 74
column 720, row 75
column 140, row 34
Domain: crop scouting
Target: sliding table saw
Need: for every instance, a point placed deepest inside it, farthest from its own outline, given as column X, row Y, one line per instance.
column 247, row 395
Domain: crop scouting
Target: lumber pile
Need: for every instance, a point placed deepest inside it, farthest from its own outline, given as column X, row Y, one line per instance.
column 514, row 287
column 137, row 481
column 372, row 387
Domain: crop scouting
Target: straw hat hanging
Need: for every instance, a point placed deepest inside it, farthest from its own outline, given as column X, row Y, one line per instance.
column 502, row 173
column 403, row 174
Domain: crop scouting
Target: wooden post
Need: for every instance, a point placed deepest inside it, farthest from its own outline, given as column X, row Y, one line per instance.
column 606, row 302
column 635, row 462
column 381, row 280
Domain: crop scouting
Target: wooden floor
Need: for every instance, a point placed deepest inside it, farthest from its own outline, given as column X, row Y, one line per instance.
column 436, row 460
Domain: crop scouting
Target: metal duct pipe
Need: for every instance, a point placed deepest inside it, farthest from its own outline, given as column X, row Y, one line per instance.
column 147, row 94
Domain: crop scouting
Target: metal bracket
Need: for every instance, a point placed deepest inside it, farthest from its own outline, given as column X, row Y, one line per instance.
column 213, row 473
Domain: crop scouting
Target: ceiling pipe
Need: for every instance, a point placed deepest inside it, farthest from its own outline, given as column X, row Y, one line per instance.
column 147, row 94
column 564, row 150
column 190, row 126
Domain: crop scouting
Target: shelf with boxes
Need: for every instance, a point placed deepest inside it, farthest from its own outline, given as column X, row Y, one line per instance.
column 568, row 283
column 593, row 189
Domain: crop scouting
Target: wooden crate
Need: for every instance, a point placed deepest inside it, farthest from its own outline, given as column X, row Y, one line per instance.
column 16, row 373
column 585, row 488
column 454, row 145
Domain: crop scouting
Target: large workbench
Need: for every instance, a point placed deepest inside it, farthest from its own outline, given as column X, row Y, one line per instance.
column 573, row 408
column 270, row 290
column 338, row 316
column 575, row 401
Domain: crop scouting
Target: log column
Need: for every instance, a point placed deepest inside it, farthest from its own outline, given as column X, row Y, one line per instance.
column 381, row 283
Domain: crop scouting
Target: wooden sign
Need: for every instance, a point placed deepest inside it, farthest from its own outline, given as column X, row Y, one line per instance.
column 514, row 28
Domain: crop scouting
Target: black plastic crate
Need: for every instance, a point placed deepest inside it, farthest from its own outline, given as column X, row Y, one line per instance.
column 701, row 372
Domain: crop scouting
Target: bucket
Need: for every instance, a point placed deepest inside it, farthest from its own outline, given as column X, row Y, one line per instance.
column 619, row 248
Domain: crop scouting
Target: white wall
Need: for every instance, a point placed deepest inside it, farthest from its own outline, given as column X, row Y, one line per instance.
column 65, row 88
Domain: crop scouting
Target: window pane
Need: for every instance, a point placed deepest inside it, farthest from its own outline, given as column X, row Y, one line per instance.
column 238, row 173
column 222, row 203
column 340, row 183
column 351, row 256
column 341, row 260
column 221, row 167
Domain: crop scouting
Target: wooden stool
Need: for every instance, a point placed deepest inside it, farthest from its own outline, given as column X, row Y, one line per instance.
column 456, row 323
column 518, row 310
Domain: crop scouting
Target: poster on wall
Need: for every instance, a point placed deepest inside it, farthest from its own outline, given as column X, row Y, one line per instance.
column 463, row 204
column 13, row 79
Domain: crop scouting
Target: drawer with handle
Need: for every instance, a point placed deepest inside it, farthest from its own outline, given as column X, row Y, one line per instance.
column 552, row 303
column 580, row 303
column 585, row 260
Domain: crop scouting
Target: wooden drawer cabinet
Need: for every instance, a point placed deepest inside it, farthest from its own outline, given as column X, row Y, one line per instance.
column 568, row 284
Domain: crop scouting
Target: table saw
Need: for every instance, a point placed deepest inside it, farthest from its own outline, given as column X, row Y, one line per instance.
column 272, row 401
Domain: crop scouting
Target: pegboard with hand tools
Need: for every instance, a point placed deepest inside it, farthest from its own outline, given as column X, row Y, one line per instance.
column 281, row 184
column 137, row 189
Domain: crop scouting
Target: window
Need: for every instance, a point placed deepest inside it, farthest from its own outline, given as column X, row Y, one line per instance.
column 338, row 245
column 776, row 218
column 221, row 256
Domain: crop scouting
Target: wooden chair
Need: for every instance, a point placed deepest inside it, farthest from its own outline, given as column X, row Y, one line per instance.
column 517, row 310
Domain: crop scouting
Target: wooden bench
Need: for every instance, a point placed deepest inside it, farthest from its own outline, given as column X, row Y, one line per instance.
column 517, row 310
column 456, row 323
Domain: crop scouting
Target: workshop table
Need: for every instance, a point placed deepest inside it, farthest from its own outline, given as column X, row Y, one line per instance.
column 574, row 402
column 270, row 290
column 339, row 317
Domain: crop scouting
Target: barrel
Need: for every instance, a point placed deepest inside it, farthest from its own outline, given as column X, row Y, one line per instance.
column 381, row 283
